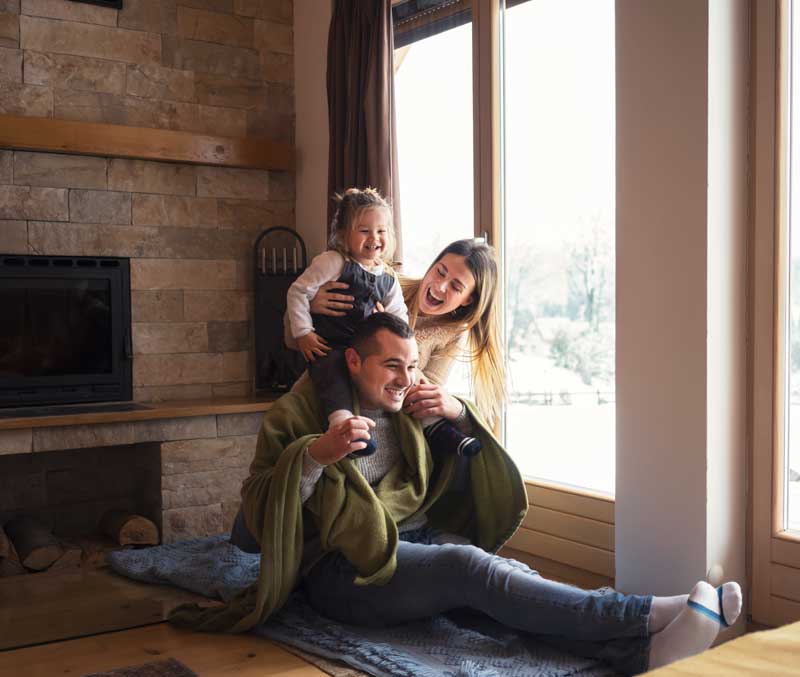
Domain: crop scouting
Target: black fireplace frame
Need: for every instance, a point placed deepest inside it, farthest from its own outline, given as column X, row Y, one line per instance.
column 113, row 4
column 117, row 385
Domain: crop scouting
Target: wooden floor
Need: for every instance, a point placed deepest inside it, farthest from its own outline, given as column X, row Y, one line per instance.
column 82, row 622
column 40, row 608
column 241, row 655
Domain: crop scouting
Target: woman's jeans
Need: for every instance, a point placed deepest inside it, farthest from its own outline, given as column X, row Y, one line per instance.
column 432, row 579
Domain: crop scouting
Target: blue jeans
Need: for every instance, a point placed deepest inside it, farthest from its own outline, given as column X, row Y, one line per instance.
column 435, row 578
column 431, row 579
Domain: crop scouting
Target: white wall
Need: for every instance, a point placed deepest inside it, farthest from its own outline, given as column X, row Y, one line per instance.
column 662, row 141
column 681, row 210
column 311, row 22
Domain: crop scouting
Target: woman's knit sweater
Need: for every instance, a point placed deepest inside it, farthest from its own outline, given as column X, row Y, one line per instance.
column 438, row 346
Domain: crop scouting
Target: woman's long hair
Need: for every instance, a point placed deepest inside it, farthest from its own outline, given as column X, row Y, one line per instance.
column 481, row 319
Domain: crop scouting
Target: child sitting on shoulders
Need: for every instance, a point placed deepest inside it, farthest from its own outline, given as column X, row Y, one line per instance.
column 360, row 250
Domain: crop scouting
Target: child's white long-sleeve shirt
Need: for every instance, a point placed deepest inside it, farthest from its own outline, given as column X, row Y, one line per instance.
column 324, row 268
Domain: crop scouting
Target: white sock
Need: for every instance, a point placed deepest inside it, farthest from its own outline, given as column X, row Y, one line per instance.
column 731, row 602
column 693, row 631
column 664, row 610
column 339, row 415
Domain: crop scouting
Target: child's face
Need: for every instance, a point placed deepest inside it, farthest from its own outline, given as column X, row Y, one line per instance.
column 366, row 241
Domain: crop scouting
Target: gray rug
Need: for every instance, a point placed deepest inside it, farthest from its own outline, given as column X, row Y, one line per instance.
column 454, row 645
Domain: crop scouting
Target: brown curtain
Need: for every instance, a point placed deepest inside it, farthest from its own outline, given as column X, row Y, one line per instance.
column 361, row 115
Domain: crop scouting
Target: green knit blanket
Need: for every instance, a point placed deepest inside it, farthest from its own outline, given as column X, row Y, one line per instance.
column 349, row 515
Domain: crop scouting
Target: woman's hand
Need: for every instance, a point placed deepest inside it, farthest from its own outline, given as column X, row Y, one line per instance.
column 312, row 345
column 429, row 399
column 341, row 439
column 327, row 302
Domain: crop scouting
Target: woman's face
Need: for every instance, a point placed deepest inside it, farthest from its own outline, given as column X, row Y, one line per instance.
column 448, row 285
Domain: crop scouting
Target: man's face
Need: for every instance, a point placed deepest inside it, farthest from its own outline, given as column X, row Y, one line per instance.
column 383, row 378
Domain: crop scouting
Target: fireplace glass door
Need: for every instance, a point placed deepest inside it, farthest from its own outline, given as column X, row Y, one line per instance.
column 55, row 327
column 65, row 334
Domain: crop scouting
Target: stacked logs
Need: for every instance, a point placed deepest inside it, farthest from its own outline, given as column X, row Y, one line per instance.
column 9, row 559
column 27, row 545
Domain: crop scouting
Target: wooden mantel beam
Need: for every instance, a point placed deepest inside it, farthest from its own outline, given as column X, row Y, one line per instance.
column 144, row 143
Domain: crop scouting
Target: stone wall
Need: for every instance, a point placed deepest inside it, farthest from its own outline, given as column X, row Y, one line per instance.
column 207, row 66
column 212, row 66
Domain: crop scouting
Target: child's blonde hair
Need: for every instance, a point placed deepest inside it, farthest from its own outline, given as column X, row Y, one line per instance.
column 480, row 319
column 350, row 206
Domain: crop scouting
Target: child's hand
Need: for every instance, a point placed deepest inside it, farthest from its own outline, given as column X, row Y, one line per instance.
column 312, row 345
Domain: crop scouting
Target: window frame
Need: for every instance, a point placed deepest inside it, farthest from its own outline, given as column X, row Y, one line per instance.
column 773, row 553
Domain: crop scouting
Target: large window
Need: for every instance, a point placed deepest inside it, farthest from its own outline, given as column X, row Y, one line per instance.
column 558, row 231
column 559, row 239
column 433, row 92
column 506, row 127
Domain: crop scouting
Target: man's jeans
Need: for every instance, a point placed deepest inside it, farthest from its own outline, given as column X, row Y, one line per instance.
column 434, row 578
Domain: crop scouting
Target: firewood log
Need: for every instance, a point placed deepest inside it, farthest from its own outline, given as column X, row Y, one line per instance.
column 35, row 544
column 5, row 546
column 95, row 552
column 128, row 529
column 71, row 559
column 9, row 560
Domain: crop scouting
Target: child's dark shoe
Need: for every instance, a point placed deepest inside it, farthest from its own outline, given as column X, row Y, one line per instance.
column 444, row 436
column 370, row 449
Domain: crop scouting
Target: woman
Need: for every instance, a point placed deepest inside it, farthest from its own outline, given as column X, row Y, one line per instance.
column 452, row 308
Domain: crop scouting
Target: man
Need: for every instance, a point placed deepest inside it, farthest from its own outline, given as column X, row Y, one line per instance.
column 387, row 538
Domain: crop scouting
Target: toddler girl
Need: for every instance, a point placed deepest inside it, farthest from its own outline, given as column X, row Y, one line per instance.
column 360, row 249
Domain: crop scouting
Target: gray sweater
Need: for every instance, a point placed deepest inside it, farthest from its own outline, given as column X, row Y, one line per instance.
column 372, row 467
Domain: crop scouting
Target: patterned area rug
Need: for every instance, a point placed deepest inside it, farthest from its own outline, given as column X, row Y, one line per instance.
column 167, row 668
column 335, row 668
column 456, row 645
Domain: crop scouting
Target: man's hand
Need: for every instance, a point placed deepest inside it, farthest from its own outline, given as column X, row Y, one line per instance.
column 431, row 400
column 341, row 439
column 311, row 345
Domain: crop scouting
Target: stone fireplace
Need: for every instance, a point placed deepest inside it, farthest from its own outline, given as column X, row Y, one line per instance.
column 200, row 68
column 196, row 68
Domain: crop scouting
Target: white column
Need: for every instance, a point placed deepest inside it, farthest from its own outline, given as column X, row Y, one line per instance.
column 681, row 216
column 662, row 144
